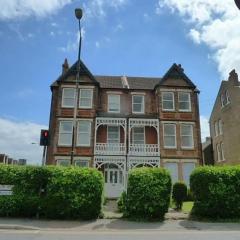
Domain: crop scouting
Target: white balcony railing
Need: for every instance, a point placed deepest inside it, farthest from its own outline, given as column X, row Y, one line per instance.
column 110, row 148
column 144, row 149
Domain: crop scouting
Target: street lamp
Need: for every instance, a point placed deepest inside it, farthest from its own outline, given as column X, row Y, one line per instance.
column 78, row 14
column 238, row 3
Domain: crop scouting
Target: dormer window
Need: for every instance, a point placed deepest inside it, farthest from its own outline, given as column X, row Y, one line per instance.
column 138, row 104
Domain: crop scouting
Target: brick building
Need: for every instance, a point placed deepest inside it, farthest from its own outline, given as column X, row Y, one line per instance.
column 126, row 122
column 225, row 121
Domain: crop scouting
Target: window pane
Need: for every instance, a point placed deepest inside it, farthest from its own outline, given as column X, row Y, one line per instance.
column 187, row 170
column 184, row 105
column 138, row 104
column 184, row 97
column 138, row 135
column 113, row 134
column 68, row 102
column 86, row 93
column 66, row 126
column 65, row 139
column 184, row 101
column 84, row 133
column 169, row 141
column 186, row 130
column 69, row 92
column 169, row 129
column 173, row 169
column 65, row 133
column 168, row 105
column 167, row 96
column 114, row 103
column 63, row 162
column 85, row 99
column 186, row 136
column 81, row 163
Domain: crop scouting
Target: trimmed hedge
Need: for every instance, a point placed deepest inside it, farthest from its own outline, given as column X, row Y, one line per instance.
column 216, row 192
column 148, row 193
column 51, row 192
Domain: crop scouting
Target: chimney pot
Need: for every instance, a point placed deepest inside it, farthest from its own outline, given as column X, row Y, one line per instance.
column 65, row 66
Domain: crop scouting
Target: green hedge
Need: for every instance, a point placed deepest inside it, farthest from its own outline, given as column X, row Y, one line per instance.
column 51, row 192
column 148, row 193
column 216, row 192
column 179, row 194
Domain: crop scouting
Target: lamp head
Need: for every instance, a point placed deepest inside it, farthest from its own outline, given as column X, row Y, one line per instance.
column 238, row 3
column 78, row 13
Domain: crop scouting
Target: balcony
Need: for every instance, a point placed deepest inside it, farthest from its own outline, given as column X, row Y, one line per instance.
column 144, row 150
column 110, row 149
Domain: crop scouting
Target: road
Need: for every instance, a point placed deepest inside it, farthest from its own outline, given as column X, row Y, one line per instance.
column 118, row 235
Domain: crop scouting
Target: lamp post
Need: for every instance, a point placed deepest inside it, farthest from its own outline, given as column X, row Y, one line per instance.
column 237, row 3
column 78, row 14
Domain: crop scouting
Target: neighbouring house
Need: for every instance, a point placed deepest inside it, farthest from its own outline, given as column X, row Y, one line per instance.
column 207, row 150
column 125, row 122
column 225, row 121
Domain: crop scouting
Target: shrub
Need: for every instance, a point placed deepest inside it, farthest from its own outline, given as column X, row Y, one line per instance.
column 51, row 192
column 122, row 202
column 74, row 193
column 148, row 193
column 216, row 192
column 179, row 194
column 189, row 195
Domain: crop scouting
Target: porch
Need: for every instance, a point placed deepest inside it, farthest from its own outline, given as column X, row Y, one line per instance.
column 110, row 136
column 143, row 135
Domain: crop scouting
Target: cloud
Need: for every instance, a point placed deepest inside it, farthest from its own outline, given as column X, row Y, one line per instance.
column 214, row 23
column 205, row 132
column 97, row 44
column 14, row 9
column 99, row 8
column 73, row 44
column 17, row 138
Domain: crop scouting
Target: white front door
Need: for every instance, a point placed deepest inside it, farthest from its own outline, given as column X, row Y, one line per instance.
column 113, row 182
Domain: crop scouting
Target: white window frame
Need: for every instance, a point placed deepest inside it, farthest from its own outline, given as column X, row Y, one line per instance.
column 83, row 160
column 90, row 97
column 63, row 160
column 63, row 93
column 173, row 101
column 59, row 133
column 216, row 128
column 175, row 135
column 219, row 152
column 133, row 135
column 114, row 95
column 191, row 135
column 189, row 102
column 118, row 132
column 88, row 144
column 143, row 103
column 222, row 151
column 220, row 127
column 227, row 96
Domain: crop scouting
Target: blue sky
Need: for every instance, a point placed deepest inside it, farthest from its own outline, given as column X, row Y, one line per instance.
column 121, row 37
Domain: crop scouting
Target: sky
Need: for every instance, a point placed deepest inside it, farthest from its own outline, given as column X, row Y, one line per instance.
column 120, row 37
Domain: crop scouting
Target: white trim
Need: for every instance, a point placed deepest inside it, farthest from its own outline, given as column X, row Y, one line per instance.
column 91, row 97
column 143, row 103
column 180, row 122
column 114, row 93
column 175, row 90
column 173, row 101
column 175, row 129
column 189, row 102
column 71, row 119
column 119, row 103
column 90, row 134
column 138, row 93
column 73, row 86
column 62, row 102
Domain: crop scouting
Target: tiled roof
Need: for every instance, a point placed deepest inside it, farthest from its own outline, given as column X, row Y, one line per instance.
column 138, row 83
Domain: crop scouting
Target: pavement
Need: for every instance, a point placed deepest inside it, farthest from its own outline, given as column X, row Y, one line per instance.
column 114, row 225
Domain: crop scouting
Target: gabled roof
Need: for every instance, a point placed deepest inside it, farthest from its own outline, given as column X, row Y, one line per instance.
column 137, row 83
column 176, row 72
column 72, row 71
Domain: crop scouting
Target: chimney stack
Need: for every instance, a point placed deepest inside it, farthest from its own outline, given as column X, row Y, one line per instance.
column 233, row 77
column 65, row 66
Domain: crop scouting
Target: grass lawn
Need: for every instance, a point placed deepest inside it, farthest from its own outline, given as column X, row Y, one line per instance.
column 187, row 207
